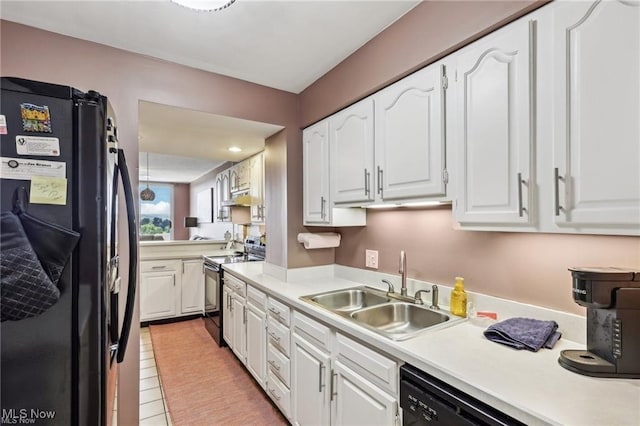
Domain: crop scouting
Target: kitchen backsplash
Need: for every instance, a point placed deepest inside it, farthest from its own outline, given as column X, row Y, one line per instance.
column 524, row 267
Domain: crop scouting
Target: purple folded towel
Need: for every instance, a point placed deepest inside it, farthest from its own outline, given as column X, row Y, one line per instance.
column 524, row 333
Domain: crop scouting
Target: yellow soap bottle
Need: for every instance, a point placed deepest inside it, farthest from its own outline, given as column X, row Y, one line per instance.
column 459, row 298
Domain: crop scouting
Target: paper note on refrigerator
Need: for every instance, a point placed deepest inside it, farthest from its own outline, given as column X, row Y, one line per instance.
column 48, row 190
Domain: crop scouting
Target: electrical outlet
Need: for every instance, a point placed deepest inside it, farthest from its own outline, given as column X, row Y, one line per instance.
column 371, row 259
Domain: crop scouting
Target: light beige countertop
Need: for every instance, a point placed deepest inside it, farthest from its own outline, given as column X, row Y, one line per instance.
column 184, row 249
column 529, row 386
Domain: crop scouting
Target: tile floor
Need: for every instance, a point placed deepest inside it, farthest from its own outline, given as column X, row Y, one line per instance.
column 153, row 406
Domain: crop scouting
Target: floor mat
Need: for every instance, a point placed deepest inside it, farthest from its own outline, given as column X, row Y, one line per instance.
column 205, row 384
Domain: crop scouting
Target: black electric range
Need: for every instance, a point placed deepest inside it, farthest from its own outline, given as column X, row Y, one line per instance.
column 213, row 273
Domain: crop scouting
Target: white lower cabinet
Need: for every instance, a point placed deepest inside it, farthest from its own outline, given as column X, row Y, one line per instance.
column 192, row 288
column 157, row 290
column 239, row 327
column 257, row 335
column 226, row 315
column 311, row 377
column 314, row 375
column 171, row 288
column 360, row 402
column 337, row 381
column 234, row 313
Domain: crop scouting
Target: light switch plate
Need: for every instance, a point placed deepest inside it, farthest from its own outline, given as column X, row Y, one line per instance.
column 371, row 259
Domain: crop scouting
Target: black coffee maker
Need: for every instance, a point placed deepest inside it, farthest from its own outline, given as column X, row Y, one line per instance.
column 612, row 299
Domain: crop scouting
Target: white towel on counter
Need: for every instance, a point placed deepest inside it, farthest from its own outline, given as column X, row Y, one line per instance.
column 319, row 240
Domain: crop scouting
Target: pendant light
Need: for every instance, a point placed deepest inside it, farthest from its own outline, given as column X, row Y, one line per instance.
column 147, row 194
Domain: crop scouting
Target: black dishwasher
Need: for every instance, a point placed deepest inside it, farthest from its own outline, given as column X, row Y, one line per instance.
column 426, row 400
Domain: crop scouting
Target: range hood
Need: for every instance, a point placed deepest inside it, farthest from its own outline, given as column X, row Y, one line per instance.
column 241, row 199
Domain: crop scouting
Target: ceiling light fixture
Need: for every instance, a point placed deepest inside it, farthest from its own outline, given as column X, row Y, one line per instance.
column 147, row 194
column 235, row 149
column 205, row 5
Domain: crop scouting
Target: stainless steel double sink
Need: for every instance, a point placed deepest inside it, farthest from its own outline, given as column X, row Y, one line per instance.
column 376, row 310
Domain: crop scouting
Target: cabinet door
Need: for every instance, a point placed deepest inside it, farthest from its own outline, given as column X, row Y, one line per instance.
column 311, row 375
column 351, row 154
column 223, row 213
column 227, row 318
column 315, row 156
column 157, row 295
column 239, row 327
column 234, row 180
column 192, row 288
column 493, row 123
column 410, row 146
column 257, row 344
column 256, row 188
column 359, row 402
column 596, row 107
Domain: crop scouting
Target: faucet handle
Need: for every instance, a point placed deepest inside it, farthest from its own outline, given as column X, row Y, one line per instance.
column 417, row 298
column 390, row 289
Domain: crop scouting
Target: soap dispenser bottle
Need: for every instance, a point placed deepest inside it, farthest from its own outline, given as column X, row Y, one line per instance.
column 459, row 298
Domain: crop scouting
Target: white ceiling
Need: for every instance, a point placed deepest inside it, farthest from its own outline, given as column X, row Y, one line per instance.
column 281, row 44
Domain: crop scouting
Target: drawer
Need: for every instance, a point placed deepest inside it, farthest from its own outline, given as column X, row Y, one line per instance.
column 279, row 336
column 311, row 330
column 236, row 284
column 161, row 265
column 370, row 364
column 279, row 394
column 279, row 364
column 279, row 311
column 257, row 298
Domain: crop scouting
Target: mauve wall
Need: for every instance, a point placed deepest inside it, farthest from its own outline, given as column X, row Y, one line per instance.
column 180, row 210
column 423, row 35
column 527, row 267
column 530, row 268
column 127, row 78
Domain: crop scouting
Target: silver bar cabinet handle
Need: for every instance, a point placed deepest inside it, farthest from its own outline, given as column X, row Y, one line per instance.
column 379, row 180
column 521, row 209
column 556, row 183
column 322, row 203
column 367, row 189
column 320, row 384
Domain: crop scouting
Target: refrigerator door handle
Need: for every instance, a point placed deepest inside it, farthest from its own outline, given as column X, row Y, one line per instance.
column 133, row 255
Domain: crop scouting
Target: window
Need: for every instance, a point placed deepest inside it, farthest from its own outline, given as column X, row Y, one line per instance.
column 156, row 217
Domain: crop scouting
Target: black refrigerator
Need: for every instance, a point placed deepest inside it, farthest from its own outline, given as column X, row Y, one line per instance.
column 60, row 158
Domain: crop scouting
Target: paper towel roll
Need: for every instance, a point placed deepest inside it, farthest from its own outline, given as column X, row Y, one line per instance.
column 319, row 240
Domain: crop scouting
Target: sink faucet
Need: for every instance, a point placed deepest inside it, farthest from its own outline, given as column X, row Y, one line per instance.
column 403, row 272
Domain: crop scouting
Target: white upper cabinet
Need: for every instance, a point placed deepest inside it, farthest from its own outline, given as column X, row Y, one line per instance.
column 315, row 154
column 318, row 208
column 493, row 126
column 596, row 101
column 409, row 137
column 351, row 153
column 222, row 194
column 256, row 188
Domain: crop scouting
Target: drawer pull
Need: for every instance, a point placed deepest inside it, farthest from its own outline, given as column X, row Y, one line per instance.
column 159, row 267
column 275, row 395
column 273, row 364
column 274, row 311
column 275, row 337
